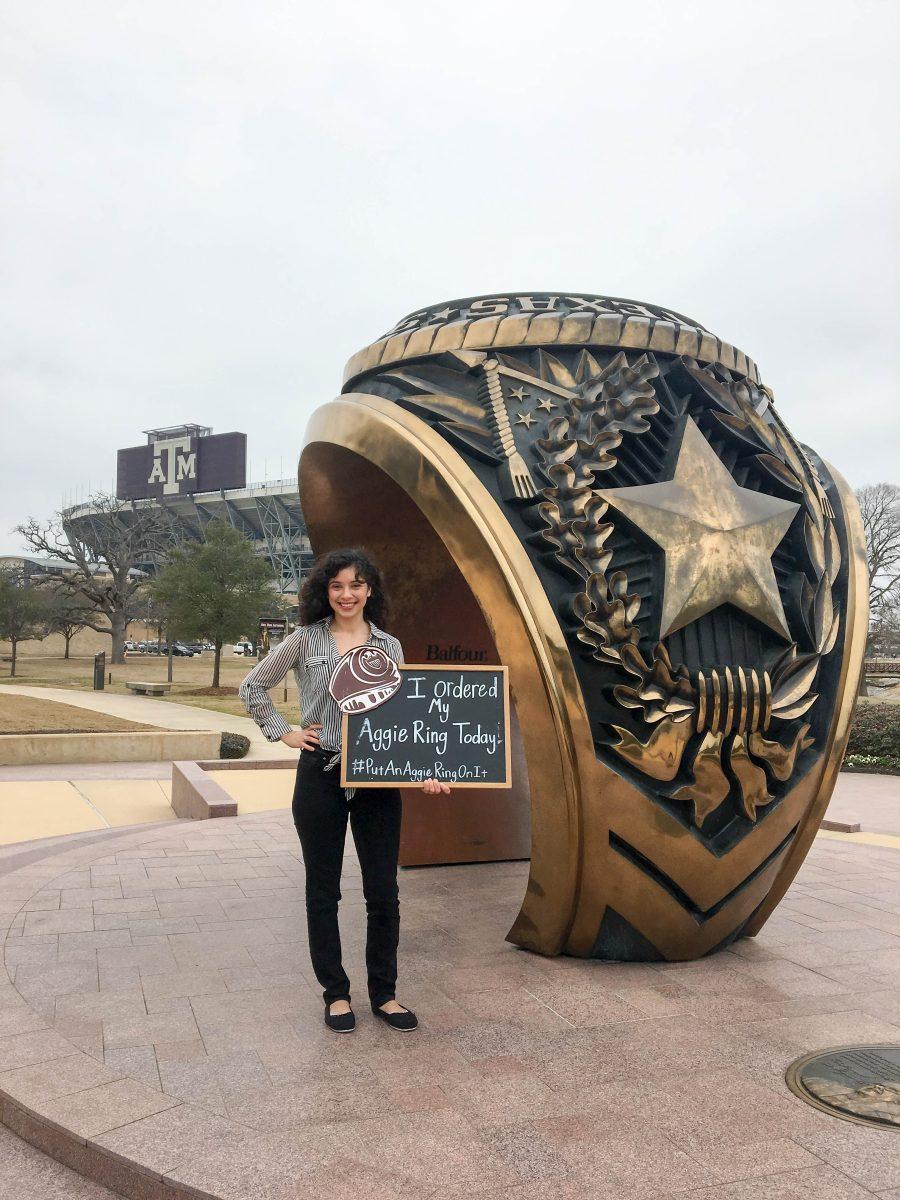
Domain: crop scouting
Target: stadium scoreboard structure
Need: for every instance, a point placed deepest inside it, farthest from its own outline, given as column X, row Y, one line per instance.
column 181, row 460
column 198, row 477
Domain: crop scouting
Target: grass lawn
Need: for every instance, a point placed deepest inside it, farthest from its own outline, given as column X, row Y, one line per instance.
column 191, row 679
column 23, row 714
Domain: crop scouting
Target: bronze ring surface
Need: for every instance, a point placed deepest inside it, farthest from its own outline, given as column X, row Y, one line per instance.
column 677, row 586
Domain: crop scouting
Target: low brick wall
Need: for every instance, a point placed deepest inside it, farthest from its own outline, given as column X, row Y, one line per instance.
column 156, row 745
column 196, row 796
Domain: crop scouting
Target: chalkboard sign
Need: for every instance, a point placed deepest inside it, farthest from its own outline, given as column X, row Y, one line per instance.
column 442, row 723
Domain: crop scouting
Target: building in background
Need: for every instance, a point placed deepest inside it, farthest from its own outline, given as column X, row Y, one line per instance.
column 199, row 476
column 33, row 568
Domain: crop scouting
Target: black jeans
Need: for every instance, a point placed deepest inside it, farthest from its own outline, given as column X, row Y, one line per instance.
column 320, row 812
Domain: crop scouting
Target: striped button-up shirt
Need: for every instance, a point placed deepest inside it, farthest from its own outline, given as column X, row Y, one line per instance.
column 311, row 653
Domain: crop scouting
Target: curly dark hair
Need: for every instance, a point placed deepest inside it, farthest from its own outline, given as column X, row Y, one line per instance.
column 314, row 592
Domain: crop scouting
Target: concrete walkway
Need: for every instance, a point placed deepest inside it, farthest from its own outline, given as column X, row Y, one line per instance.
column 58, row 799
column 870, row 801
column 26, row 1174
column 163, row 713
column 122, row 771
column 35, row 807
column 160, row 1028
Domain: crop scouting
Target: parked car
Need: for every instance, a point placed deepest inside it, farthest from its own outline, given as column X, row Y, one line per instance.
column 182, row 650
column 245, row 648
column 132, row 647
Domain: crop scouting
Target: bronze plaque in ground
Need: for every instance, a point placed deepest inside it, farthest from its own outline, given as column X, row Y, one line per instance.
column 858, row 1083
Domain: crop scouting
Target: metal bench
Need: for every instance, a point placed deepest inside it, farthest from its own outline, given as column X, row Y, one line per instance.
column 148, row 689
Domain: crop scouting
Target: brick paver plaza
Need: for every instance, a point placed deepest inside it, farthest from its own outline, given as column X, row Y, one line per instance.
column 161, row 1031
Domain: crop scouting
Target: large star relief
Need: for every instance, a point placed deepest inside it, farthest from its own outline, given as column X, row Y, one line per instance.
column 718, row 538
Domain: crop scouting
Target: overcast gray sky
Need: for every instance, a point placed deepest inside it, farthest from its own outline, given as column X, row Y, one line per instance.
column 207, row 208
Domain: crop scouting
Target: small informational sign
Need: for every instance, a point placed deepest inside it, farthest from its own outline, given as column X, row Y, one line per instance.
column 441, row 723
column 271, row 631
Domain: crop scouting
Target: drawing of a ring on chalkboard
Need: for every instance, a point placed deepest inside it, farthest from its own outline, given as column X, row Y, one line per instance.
column 363, row 678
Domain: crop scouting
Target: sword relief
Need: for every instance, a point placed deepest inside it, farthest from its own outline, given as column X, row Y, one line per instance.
column 516, row 482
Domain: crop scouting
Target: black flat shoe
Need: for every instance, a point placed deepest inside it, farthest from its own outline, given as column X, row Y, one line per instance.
column 342, row 1023
column 403, row 1021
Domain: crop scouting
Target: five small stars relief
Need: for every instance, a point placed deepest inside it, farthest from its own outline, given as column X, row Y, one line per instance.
column 526, row 419
column 545, row 404
column 518, row 393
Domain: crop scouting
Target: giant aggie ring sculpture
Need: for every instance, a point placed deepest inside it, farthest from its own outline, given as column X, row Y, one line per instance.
column 677, row 586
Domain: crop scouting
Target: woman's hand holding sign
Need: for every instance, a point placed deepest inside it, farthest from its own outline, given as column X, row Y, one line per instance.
column 434, row 787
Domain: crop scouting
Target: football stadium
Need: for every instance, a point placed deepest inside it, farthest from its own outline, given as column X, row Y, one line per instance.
column 199, row 476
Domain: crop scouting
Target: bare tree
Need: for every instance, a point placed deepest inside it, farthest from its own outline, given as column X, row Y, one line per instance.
column 68, row 612
column 22, row 609
column 879, row 504
column 886, row 629
column 149, row 610
column 103, row 550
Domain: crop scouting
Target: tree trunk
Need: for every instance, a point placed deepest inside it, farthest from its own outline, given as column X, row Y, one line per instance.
column 68, row 637
column 14, row 642
column 216, row 661
column 169, row 667
column 869, row 651
column 117, row 629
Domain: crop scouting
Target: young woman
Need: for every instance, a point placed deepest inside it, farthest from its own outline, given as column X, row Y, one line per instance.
column 342, row 605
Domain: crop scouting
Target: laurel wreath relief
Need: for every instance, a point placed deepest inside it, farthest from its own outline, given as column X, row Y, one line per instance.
column 606, row 404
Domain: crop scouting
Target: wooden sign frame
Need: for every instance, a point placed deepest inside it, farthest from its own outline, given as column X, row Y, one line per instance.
column 496, row 668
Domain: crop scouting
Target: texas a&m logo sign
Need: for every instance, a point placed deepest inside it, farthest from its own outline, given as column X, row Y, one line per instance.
column 180, row 461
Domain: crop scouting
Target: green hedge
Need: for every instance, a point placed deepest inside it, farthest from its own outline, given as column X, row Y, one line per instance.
column 876, row 731
column 233, row 745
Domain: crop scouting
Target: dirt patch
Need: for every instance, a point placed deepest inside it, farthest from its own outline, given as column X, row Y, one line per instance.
column 25, row 714
column 211, row 691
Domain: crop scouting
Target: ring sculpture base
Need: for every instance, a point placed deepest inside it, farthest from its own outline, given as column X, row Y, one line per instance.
column 604, row 497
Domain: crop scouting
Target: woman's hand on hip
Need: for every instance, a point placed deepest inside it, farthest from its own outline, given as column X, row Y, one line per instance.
column 303, row 739
column 434, row 787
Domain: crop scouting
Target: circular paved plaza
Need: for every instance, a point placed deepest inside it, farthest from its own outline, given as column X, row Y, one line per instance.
column 161, row 1032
